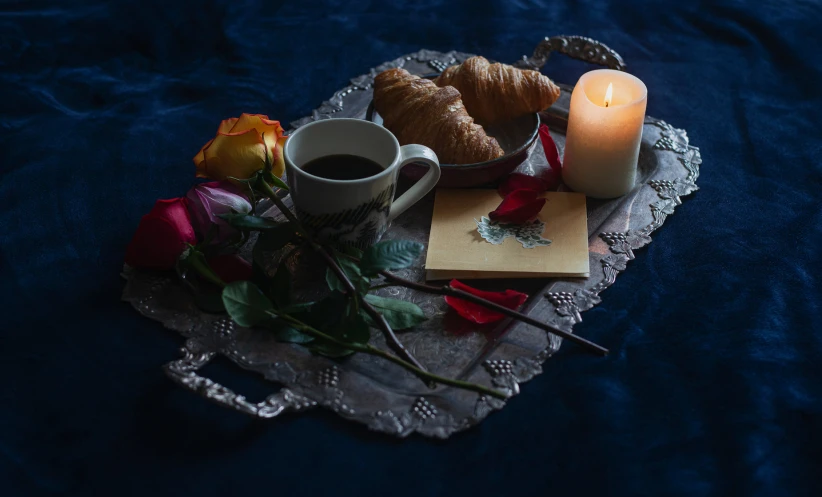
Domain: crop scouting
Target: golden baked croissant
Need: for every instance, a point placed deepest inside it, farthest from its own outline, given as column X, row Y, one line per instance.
column 498, row 92
column 417, row 111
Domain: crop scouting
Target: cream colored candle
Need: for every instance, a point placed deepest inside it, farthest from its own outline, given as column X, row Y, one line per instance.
column 604, row 132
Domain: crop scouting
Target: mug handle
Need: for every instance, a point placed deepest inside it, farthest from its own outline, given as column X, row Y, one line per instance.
column 416, row 153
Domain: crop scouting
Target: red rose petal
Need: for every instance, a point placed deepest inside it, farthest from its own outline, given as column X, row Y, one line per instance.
column 552, row 177
column 479, row 314
column 550, row 148
column 518, row 207
column 230, row 267
column 519, row 181
column 162, row 236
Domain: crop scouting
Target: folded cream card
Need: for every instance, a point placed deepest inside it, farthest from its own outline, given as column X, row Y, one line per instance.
column 456, row 249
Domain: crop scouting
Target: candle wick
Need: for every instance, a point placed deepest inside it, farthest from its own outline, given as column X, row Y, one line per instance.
column 606, row 104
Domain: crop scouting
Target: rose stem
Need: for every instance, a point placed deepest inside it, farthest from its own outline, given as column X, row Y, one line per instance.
column 390, row 337
column 378, row 318
column 454, row 292
column 424, row 375
column 370, row 349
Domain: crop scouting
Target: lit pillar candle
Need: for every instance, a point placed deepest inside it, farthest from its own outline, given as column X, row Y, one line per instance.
column 604, row 132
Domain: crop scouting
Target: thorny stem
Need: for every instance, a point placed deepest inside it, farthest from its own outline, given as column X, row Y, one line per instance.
column 454, row 292
column 371, row 350
column 390, row 337
column 424, row 375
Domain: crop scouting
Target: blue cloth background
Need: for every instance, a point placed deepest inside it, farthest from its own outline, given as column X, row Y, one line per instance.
column 714, row 384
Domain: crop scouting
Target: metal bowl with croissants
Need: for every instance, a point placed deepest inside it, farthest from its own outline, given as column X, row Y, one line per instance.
column 479, row 118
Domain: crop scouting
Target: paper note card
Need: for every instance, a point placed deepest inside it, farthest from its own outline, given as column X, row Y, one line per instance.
column 456, row 249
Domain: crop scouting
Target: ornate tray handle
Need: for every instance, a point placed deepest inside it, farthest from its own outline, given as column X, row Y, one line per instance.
column 576, row 47
column 184, row 373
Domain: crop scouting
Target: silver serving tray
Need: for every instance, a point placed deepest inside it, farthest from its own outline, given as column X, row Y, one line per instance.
column 379, row 394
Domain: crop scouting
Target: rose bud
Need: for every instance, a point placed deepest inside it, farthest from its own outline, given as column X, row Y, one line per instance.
column 208, row 201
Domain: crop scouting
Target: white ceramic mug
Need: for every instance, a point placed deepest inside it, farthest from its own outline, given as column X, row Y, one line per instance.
column 353, row 212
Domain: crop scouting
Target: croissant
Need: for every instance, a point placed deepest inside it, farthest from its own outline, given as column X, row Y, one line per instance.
column 417, row 111
column 498, row 92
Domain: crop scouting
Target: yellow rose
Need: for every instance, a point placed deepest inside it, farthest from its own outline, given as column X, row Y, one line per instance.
column 243, row 146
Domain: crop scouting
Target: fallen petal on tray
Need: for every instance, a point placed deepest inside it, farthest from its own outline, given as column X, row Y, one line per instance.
column 479, row 314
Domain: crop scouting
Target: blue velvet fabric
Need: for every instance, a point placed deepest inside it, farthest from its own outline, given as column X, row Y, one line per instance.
column 714, row 383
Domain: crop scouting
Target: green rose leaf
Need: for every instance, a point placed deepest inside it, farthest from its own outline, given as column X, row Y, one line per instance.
column 248, row 222
column 295, row 309
column 271, row 179
column 351, row 329
column 323, row 314
column 350, row 268
column 334, row 316
column 350, row 250
column 390, row 254
column 400, row 314
column 354, row 329
column 278, row 183
column 284, row 332
column 246, row 304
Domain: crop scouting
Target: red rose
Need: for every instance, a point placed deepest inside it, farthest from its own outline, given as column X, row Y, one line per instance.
column 162, row 236
column 518, row 207
column 479, row 314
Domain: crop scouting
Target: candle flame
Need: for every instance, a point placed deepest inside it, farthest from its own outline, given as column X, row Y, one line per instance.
column 609, row 93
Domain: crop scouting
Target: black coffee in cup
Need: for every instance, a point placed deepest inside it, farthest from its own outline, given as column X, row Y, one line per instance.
column 342, row 167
